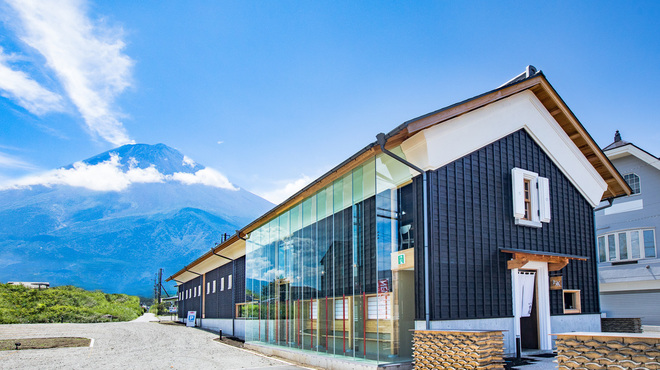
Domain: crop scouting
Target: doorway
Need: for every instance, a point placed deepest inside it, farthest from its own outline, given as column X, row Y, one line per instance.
column 529, row 325
column 531, row 299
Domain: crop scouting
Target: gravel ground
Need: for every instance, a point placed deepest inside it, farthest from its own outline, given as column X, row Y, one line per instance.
column 130, row 345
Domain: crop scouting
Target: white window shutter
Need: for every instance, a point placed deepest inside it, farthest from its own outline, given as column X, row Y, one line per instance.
column 544, row 199
column 518, row 193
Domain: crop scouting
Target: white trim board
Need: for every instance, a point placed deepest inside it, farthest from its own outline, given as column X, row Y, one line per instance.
column 630, row 149
column 444, row 143
column 633, row 205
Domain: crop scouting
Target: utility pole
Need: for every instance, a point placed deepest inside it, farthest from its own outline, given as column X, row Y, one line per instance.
column 160, row 284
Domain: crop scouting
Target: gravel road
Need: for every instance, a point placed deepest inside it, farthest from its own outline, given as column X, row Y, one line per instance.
column 138, row 344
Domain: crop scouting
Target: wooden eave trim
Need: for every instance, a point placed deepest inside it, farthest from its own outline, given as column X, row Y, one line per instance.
column 470, row 105
column 233, row 239
column 289, row 203
column 577, row 133
column 561, row 113
column 616, row 186
column 555, row 263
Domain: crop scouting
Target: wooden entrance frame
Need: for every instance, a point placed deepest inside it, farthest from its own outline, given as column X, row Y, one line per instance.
column 556, row 261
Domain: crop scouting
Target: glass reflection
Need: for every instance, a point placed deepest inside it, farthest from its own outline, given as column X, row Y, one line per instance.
column 319, row 276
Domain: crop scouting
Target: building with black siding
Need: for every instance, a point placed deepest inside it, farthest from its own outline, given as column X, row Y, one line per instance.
column 477, row 216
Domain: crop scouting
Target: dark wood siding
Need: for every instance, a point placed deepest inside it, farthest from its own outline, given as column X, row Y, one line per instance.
column 471, row 217
column 193, row 303
column 221, row 303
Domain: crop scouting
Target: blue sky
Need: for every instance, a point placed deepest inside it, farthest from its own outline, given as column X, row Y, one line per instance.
column 272, row 94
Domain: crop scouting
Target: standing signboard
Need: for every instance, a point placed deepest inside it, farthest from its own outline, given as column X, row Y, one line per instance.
column 192, row 317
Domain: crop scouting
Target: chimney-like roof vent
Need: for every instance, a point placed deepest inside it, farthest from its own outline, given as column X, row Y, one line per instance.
column 530, row 71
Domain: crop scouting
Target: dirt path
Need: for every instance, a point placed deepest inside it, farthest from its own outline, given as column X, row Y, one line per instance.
column 130, row 345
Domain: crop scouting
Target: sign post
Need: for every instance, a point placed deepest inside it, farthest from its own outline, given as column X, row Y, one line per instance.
column 192, row 317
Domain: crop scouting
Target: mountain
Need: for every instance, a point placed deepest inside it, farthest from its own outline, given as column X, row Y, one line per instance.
column 111, row 221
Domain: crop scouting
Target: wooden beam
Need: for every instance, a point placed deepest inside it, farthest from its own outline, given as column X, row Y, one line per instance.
column 556, row 266
column 516, row 263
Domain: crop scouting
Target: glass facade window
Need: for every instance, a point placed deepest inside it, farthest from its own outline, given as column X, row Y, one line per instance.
column 319, row 276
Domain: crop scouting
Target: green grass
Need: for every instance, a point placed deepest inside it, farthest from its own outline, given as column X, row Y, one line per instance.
column 43, row 343
column 21, row 305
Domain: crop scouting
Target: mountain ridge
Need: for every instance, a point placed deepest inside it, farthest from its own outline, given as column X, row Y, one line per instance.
column 116, row 240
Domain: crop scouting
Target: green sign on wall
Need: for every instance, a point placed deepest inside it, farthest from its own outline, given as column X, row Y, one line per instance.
column 402, row 259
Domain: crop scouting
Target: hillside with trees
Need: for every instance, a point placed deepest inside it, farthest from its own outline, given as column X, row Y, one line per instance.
column 22, row 305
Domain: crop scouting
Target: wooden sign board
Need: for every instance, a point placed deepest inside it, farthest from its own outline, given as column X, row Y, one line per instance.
column 555, row 283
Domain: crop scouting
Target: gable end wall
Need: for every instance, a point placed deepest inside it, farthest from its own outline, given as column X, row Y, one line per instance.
column 471, row 217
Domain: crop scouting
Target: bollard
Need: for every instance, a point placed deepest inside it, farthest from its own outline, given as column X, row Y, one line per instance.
column 220, row 333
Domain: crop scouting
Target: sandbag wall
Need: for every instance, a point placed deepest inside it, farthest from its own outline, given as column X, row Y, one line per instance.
column 451, row 349
column 608, row 351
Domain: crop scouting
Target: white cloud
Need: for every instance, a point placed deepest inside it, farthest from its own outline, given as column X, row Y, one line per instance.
column 187, row 161
column 220, row 142
column 26, row 92
column 109, row 176
column 9, row 161
column 87, row 59
column 104, row 176
column 288, row 189
column 206, row 176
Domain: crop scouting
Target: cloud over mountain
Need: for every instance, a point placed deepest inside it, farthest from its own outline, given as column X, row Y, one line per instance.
column 118, row 169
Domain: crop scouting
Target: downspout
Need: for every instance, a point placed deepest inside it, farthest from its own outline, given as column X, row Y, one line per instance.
column 610, row 203
column 380, row 138
column 183, row 300
column 233, row 291
column 200, row 297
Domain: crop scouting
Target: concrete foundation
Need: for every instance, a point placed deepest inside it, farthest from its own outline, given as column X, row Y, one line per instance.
column 330, row 362
column 569, row 323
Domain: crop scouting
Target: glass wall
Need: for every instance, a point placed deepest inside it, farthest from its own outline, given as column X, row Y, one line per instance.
column 319, row 276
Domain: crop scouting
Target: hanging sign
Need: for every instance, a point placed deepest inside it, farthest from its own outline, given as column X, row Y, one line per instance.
column 192, row 317
column 383, row 286
column 555, row 283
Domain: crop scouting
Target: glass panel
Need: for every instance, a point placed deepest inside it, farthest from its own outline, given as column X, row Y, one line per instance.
column 319, row 278
column 623, row 247
column 649, row 244
column 634, row 244
column 602, row 253
column 611, row 243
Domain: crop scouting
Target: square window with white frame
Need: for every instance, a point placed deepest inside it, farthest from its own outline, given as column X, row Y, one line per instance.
column 531, row 198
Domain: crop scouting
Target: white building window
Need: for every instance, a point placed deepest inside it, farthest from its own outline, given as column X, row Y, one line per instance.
column 314, row 310
column 213, row 286
column 626, row 245
column 194, row 292
column 222, row 284
column 229, row 282
column 379, row 307
column 199, row 290
column 208, row 288
column 341, row 309
column 531, row 198
column 633, row 181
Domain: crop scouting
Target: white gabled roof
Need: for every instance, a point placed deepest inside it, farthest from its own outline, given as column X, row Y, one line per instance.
column 631, row 149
